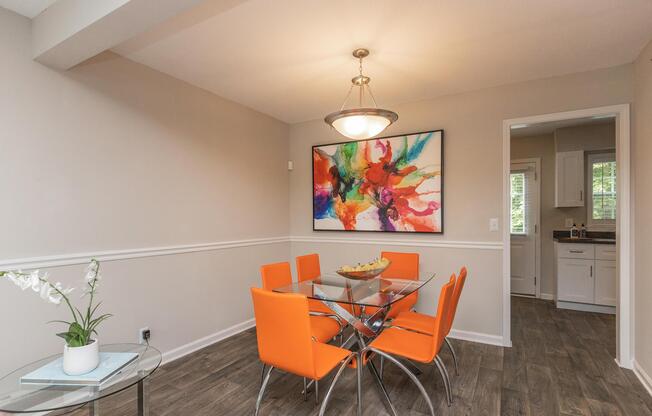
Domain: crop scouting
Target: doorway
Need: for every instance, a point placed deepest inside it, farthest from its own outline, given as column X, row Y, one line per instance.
column 620, row 113
column 525, row 249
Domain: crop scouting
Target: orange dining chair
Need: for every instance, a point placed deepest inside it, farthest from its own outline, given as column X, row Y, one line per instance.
column 308, row 268
column 416, row 346
column 285, row 342
column 324, row 328
column 402, row 266
column 425, row 324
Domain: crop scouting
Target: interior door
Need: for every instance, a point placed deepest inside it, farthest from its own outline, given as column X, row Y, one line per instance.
column 524, row 228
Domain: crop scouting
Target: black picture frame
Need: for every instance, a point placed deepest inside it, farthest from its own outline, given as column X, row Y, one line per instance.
column 442, row 205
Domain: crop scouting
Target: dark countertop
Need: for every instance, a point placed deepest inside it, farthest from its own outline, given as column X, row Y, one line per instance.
column 593, row 237
column 586, row 240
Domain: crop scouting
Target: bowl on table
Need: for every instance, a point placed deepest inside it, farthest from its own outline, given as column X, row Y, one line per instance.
column 363, row 274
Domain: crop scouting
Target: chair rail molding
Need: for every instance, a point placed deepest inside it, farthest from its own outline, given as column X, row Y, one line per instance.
column 413, row 242
column 114, row 255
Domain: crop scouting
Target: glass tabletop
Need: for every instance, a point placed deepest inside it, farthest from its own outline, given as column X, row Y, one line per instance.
column 379, row 291
column 16, row 397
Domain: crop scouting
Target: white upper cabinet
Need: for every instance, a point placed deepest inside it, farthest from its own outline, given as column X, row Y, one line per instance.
column 569, row 177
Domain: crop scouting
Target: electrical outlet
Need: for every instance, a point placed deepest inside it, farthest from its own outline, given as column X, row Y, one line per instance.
column 569, row 222
column 493, row 224
column 144, row 335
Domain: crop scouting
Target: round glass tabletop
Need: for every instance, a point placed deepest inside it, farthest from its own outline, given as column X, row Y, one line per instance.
column 20, row 397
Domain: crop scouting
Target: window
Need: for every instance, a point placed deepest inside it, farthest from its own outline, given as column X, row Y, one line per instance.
column 517, row 192
column 602, row 184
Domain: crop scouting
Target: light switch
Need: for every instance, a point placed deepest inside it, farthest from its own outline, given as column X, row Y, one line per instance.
column 493, row 224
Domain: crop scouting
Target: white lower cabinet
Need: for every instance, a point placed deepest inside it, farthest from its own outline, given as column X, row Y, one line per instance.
column 606, row 279
column 586, row 276
column 575, row 280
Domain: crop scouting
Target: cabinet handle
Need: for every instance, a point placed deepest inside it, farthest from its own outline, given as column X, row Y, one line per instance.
column 581, row 195
column 591, row 271
column 577, row 251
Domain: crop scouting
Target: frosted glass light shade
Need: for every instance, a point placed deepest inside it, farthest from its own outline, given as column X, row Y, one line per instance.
column 361, row 123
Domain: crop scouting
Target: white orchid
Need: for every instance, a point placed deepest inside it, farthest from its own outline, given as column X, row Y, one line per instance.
column 83, row 325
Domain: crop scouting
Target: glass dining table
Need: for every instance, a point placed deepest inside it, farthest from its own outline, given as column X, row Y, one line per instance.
column 365, row 305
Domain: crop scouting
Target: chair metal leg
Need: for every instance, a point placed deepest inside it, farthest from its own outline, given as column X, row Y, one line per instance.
column 316, row 392
column 262, row 389
column 381, row 370
column 262, row 374
column 330, row 389
column 305, row 389
column 414, row 378
column 450, row 347
column 444, row 376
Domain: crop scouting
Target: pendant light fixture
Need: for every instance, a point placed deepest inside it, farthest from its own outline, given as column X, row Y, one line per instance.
column 362, row 122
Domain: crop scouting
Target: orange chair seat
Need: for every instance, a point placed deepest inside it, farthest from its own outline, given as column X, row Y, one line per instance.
column 319, row 307
column 323, row 328
column 327, row 357
column 408, row 344
column 416, row 322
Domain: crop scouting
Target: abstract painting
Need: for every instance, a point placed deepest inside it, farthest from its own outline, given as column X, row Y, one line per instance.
column 391, row 184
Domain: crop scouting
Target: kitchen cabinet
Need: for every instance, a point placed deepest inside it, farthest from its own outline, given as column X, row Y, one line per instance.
column 569, row 179
column 586, row 276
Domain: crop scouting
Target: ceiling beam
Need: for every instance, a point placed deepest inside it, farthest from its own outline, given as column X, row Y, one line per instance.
column 72, row 31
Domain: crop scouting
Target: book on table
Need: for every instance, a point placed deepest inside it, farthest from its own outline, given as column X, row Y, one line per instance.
column 111, row 363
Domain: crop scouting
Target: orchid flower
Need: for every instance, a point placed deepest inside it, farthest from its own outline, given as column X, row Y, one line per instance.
column 82, row 327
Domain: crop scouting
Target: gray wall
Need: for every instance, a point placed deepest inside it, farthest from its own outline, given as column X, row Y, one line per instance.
column 642, row 155
column 115, row 156
column 472, row 178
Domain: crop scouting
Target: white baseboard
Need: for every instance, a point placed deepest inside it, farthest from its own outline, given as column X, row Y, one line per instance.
column 200, row 343
column 644, row 377
column 586, row 307
column 547, row 296
column 477, row 337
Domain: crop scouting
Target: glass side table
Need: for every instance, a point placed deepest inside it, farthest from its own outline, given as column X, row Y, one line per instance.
column 16, row 397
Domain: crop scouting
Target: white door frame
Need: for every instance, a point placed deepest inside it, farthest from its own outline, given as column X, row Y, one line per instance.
column 537, row 217
column 624, row 322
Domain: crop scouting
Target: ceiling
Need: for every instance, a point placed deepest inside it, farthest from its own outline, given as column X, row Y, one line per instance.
column 292, row 59
column 28, row 8
column 539, row 129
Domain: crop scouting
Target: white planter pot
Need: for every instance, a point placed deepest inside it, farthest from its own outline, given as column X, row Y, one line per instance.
column 81, row 360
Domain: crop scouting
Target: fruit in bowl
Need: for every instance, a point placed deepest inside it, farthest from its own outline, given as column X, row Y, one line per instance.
column 364, row 271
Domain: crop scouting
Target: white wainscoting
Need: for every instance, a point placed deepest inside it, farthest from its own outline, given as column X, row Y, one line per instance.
column 413, row 242
column 113, row 255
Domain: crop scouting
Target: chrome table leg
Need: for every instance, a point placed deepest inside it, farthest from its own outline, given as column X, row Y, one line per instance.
column 94, row 408
column 143, row 397
column 358, row 371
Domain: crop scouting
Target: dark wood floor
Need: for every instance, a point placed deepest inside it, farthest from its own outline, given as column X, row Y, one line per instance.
column 561, row 364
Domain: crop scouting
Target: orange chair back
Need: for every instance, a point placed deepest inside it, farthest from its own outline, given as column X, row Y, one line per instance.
column 276, row 275
column 308, row 267
column 283, row 331
column 403, row 265
column 445, row 302
column 459, row 285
